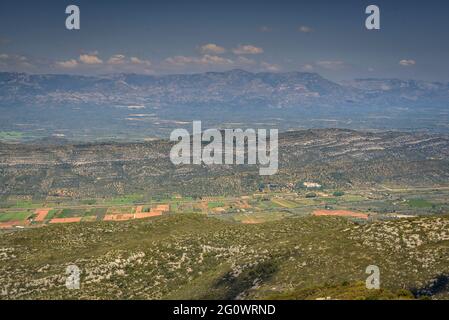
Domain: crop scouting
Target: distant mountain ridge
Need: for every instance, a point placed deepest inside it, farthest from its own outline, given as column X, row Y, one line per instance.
column 279, row 90
column 135, row 107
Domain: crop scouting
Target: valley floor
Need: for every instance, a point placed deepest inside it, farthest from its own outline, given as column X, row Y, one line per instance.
column 383, row 203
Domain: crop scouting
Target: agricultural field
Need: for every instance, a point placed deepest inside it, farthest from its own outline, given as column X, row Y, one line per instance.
column 280, row 240
column 255, row 208
column 9, row 136
column 14, row 216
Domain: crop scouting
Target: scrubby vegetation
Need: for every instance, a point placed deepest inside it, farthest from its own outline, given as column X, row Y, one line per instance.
column 122, row 172
column 192, row 256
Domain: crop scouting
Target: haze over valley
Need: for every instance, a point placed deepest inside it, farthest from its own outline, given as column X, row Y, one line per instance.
column 131, row 107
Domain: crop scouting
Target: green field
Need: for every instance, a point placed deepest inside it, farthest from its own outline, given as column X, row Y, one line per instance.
column 24, row 204
column 128, row 199
column 70, row 213
column 51, row 214
column 215, row 204
column 419, row 203
column 13, row 216
column 284, row 203
column 10, row 135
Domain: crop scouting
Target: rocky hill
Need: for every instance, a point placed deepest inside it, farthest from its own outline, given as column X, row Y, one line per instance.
column 194, row 257
column 332, row 157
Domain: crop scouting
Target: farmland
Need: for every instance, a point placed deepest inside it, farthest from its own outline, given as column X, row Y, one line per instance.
column 13, row 216
column 141, row 228
column 258, row 207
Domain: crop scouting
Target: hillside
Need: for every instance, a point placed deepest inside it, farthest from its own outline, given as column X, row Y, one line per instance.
column 194, row 257
column 334, row 158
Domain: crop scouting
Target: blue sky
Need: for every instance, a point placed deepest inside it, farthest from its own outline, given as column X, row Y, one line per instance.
column 159, row 37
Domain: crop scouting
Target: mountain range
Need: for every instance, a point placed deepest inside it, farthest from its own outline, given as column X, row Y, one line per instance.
column 148, row 103
column 235, row 87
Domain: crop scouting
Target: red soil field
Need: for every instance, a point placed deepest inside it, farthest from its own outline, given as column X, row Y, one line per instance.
column 11, row 224
column 65, row 220
column 153, row 213
column 139, row 209
column 163, row 207
column 243, row 204
column 340, row 213
column 119, row 217
column 41, row 214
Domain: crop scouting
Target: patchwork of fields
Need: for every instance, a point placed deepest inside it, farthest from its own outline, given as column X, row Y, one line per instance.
column 369, row 205
column 43, row 216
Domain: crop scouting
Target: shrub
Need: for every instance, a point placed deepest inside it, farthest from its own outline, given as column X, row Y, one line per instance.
column 311, row 195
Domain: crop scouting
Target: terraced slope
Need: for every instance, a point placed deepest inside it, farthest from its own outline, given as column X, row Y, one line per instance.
column 335, row 158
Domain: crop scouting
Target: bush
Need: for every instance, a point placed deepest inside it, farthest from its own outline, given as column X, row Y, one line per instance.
column 311, row 195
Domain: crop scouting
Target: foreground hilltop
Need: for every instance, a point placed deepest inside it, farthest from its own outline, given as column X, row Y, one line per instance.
column 332, row 157
column 194, row 257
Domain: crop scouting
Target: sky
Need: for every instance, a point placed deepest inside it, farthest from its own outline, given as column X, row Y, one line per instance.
column 164, row 37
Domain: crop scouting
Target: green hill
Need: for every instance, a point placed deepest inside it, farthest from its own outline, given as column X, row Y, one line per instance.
column 195, row 257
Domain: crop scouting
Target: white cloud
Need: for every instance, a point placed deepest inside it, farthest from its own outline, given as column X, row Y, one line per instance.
column 116, row 63
column 204, row 60
column 87, row 62
column 18, row 61
column 90, row 59
column 307, row 67
column 212, row 48
column 179, row 60
column 247, row 49
column 330, row 64
column 117, row 59
column 407, row 63
column 210, row 59
column 270, row 67
column 121, row 60
column 136, row 60
column 245, row 60
column 67, row 64
column 305, row 29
